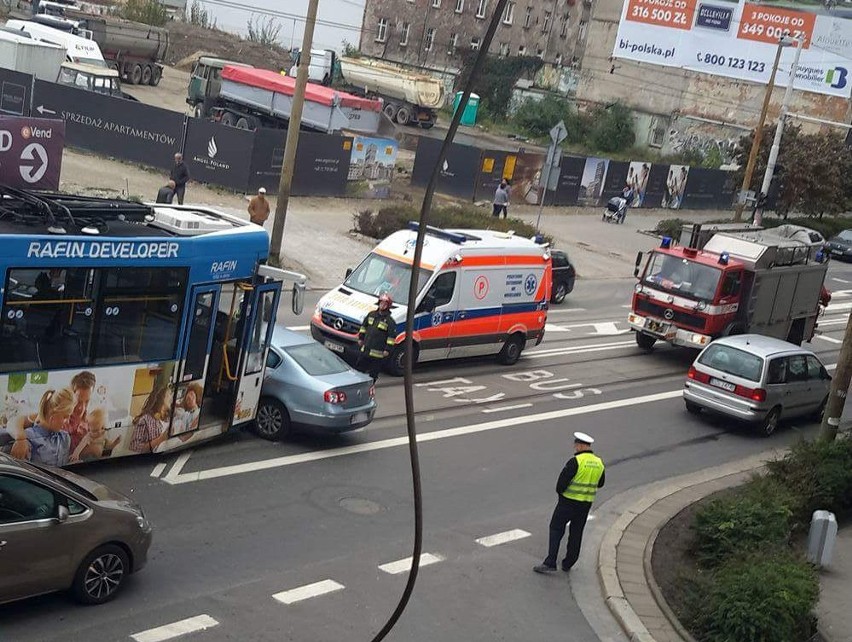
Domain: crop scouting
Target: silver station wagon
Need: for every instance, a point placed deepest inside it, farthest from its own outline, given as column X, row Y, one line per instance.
column 758, row 380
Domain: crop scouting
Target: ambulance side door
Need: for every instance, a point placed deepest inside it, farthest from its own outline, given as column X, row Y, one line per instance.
column 476, row 331
column 435, row 316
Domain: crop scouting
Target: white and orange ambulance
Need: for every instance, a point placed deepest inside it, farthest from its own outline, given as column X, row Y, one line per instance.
column 479, row 292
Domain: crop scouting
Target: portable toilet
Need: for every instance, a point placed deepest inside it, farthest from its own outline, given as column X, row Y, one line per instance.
column 471, row 109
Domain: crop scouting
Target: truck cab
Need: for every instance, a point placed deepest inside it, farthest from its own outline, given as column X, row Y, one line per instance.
column 91, row 78
column 323, row 66
column 205, row 82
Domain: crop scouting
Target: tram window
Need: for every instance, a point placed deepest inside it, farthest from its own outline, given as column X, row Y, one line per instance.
column 260, row 334
column 46, row 319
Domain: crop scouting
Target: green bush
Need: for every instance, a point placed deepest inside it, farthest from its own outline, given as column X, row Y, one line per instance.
column 756, row 515
column 389, row 219
column 612, row 128
column 761, row 598
column 149, row 12
column 670, row 227
column 538, row 117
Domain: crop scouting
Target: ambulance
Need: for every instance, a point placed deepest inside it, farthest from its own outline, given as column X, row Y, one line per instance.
column 480, row 292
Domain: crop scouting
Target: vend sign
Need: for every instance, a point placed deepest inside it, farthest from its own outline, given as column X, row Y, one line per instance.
column 31, row 152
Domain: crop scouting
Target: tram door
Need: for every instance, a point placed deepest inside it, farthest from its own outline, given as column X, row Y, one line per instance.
column 195, row 363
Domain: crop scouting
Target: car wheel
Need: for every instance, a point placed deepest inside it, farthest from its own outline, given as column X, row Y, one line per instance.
column 692, row 408
column 395, row 365
column 559, row 294
column 770, row 422
column 272, row 421
column 511, row 351
column 101, row 575
column 645, row 341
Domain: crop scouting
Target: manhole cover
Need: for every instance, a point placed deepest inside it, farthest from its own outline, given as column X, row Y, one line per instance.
column 360, row 506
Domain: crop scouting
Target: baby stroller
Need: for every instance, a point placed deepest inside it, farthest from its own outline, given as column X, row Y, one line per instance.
column 615, row 210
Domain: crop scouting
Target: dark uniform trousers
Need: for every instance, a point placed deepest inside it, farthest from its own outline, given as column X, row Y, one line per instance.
column 573, row 512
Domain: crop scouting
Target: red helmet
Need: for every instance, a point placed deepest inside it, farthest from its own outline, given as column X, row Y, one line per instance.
column 384, row 297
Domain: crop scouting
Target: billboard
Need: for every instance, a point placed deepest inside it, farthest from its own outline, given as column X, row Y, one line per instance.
column 373, row 159
column 738, row 39
column 217, row 154
column 31, row 152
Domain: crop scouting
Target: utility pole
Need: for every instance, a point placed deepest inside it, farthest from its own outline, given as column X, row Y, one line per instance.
column 758, row 136
column 779, row 130
column 289, row 163
column 839, row 388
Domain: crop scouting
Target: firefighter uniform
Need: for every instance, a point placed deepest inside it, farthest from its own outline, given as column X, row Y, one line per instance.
column 376, row 336
column 577, row 486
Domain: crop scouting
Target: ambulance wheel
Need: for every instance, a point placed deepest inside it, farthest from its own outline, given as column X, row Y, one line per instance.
column 396, row 361
column 645, row 341
column 511, row 351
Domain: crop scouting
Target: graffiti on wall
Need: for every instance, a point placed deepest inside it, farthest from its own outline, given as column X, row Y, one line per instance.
column 713, row 143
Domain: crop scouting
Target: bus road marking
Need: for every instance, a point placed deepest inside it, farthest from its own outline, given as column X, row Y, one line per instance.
column 834, row 278
column 178, row 466
column 402, row 566
column 158, row 469
column 176, row 629
column 298, row 328
column 308, row 591
column 829, row 339
column 507, row 408
column 502, row 538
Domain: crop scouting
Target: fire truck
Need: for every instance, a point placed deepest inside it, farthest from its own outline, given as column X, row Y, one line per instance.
column 732, row 283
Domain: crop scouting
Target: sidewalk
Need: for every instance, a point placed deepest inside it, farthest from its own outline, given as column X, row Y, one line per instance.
column 835, row 598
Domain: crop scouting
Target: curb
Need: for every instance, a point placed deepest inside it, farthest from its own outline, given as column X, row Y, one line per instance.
column 612, row 592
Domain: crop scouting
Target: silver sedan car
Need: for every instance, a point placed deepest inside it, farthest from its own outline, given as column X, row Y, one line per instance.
column 308, row 386
column 758, row 380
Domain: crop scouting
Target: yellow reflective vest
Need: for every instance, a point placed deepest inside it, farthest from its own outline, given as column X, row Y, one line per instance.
column 584, row 486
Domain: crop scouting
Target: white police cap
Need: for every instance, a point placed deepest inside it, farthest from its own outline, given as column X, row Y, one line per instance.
column 583, row 438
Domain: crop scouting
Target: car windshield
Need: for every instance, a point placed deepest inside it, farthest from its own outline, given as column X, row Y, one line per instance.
column 378, row 274
column 316, row 360
column 845, row 235
column 732, row 361
column 682, row 276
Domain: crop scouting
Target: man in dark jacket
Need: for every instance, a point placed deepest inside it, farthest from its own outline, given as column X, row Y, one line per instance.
column 180, row 176
column 377, row 337
column 166, row 194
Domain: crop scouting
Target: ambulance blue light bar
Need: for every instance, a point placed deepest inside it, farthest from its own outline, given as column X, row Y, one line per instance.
column 437, row 232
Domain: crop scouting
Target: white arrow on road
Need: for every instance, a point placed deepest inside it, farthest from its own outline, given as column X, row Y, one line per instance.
column 44, row 110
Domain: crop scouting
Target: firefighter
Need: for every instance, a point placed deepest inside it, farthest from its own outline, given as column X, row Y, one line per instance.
column 377, row 337
column 578, row 482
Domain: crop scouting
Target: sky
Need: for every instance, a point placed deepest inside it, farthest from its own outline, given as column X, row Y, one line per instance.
column 337, row 20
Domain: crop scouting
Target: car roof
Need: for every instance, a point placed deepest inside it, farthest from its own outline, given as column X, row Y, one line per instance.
column 284, row 338
column 7, row 461
column 760, row 345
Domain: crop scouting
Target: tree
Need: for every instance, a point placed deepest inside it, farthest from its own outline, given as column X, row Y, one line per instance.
column 149, row 12
column 537, row 118
column 812, row 173
column 264, row 31
column 612, row 128
column 497, row 79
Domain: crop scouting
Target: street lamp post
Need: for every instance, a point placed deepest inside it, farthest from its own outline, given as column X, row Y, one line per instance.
column 786, row 41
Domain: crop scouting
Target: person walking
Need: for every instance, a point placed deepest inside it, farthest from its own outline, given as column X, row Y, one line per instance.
column 376, row 337
column 501, row 200
column 578, row 482
column 258, row 208
column 180, row 176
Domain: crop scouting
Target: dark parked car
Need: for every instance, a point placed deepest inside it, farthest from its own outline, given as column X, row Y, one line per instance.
column 840, row 246
column 61, row 531
column 563, row 276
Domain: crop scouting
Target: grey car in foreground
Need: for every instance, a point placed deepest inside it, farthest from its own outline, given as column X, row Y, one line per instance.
column 308, row 386
column 758, row 380
column 60, row 531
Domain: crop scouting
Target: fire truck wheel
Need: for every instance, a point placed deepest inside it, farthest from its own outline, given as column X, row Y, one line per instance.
column 645, row 341
column 770, row 422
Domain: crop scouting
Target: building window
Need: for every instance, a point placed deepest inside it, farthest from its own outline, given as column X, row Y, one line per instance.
column 583, row 26
column 475, row 43
column 459, row 6
column 545, row 27
column 509, row 13
column 382, row 30
column 563, row 30
column 480, row 8
column 528, row 18
column 436, row 4
column 559, row 59
column 454, row 43
column 540, row 53
column 658, row 133
column 504, row 49
column 522, row 51
column 406, row 31
column 430, row 39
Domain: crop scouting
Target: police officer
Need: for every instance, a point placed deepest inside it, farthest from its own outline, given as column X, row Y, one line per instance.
column 578, row 482
column 376, row 337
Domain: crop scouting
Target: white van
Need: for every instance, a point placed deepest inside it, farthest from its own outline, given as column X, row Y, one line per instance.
column 78, row 50
column 479, row 292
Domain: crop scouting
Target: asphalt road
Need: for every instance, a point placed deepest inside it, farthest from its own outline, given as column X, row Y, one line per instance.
column 240, row 520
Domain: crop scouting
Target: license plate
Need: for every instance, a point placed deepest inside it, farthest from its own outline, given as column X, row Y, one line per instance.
column 359, row 417
column 724, row 385
column 656, row 326
column 334, row 347
column 838, row 252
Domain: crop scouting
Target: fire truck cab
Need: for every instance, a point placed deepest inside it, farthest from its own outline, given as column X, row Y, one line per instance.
column 745, row 282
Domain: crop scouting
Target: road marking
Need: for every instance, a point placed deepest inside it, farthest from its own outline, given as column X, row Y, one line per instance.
column 628, row 306
column 568, row 351
column 158, row 470
column 502, row 538
column 176, row 629
column 571, row 348
column 178, row 466
column 308, row 591
column 837, row 307
column 176, row 477
column 298, row 328
column 403, row 566
column 506, row 408
column 834, row 278
column 565, row 311
column 837, row 321
column 829, row 339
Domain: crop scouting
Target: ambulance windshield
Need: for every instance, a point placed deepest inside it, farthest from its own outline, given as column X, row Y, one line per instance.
column 682, row 276
column 378, row 274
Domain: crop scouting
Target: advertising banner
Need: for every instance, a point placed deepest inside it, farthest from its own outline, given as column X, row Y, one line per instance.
column 568, row 189
column 31, row 152
column 217, row 154
column 525, row 181
column 656, row 188
column 373, row 159
column 616, row 180
column 738, row 39
column 492, row 169
column 708, row 189
column 113, row 126
column 458, row 173
column 592, row 181
column 15, row 89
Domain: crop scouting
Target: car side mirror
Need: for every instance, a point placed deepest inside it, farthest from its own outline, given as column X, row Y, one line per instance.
column 298, row 298
column 62, row 513
column 348, row 273
column 638, row 263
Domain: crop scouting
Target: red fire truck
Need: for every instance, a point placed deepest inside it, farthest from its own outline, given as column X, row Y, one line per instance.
column 736, row 283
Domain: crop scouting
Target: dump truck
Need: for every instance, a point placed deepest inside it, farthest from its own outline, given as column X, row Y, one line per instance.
column 737, row 283
column 249, row 98
column 409, row 97
column 133, row 49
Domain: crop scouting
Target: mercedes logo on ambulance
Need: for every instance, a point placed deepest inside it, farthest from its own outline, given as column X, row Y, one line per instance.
column 669, row 314
column 338, row 324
